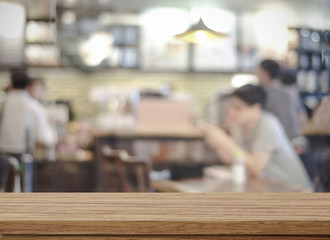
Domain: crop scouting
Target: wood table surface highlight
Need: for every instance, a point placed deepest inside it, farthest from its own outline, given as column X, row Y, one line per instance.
column 165, row 214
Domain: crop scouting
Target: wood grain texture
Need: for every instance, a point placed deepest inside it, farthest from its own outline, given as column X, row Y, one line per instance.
column 165, row 214
column 33, row 237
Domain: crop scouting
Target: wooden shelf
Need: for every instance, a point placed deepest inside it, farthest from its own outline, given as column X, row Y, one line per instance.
column 41, row 19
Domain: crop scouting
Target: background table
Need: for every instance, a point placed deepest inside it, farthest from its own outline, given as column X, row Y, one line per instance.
column 209, row 184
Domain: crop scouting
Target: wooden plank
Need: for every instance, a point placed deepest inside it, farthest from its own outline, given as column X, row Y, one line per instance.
column 165, row 214
column 33, row 237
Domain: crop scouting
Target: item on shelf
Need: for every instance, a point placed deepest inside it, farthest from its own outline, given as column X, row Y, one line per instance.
column 301, row 80
column 304, row 39
column 316, row 62
column 41, row 55
column 313, row 64
column 326, row 38
column 324, row 82
column 315, row 41
column 129, row 57
column 327, row 60
column 304, row 61
column 311, row 82
column 40, row 32
column 116, row 46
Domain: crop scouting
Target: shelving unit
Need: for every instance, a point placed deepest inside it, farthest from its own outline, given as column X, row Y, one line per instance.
column 78, row 27
column 41, row 43
column 309, row 57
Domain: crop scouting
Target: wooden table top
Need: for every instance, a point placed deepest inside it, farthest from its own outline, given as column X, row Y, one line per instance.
column 208, row 184
column 164, row 214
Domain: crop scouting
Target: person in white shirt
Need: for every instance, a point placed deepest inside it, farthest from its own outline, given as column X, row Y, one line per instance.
column 24, row 122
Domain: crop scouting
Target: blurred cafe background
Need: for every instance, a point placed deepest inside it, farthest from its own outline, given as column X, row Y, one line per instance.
column 125, row 85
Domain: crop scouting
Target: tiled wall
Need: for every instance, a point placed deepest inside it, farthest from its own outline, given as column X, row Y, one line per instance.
column 74, row 85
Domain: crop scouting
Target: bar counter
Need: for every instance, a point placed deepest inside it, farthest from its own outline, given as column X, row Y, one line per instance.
column 165, row 216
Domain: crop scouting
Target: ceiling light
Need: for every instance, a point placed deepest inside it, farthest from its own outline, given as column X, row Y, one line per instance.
column 200, row 33
column 97, row 48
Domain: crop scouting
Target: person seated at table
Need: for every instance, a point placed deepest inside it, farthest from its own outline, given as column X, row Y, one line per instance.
column 258, row 136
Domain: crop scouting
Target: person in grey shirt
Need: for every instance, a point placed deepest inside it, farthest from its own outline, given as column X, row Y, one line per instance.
column 288, row 82
column 258, row 136
column 279, row 102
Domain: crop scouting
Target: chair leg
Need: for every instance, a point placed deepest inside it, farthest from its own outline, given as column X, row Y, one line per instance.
column 27, row 174
column 121, row 169
column 141, row 184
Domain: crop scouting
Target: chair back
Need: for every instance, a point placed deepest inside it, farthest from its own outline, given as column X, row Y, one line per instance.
column 9, row 174
column 132, row 174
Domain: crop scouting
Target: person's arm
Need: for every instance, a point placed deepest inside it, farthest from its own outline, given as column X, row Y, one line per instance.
column 225, row 147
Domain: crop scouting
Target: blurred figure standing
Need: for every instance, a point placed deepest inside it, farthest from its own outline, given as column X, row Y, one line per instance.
column 288, row 84
column 279, row 102
column 24, row 121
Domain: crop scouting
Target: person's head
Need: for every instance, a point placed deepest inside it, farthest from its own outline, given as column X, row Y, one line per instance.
column 267, row 71
column 37, row 88
column 246, row 103
column 288, row 78
column 19, row 79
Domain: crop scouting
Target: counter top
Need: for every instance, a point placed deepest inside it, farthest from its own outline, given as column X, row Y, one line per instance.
column 190, row 132
column 161, row 131
column 164, row 214
column 312, row 129
column 208, row 184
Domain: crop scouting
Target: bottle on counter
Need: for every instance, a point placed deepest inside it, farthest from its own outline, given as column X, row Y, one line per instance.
column 238, row 169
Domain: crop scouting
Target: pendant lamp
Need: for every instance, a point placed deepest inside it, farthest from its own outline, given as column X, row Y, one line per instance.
column 200, row 33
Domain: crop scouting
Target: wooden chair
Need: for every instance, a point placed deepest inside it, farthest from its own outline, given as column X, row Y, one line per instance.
column 10, row 176
column 131, row 173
